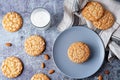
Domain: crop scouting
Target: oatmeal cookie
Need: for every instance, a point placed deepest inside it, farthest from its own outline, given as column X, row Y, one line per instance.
column 105, row 22
column 40, row 76
column 11, row 67
column 34, row 45
column 12, row 22
column 78, row 52
column 93, row 11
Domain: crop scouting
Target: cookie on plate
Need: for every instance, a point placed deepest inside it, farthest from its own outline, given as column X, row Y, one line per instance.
column 12, row 22
column 11, row 67
column 105, row 22
column 40, row 76
column 34, row 45
column 78, row 52
column 93, row 11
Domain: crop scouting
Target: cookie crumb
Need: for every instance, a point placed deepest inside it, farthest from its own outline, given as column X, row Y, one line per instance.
column 42, row 65
column 46, row 56
column 51, row 71
column 8, row 44
column 107, row 72
column 100, row 77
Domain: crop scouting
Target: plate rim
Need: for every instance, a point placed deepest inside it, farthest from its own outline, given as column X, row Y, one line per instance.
column 95, row 34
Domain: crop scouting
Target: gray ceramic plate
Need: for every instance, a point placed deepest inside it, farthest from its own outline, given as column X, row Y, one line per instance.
column 69, row 68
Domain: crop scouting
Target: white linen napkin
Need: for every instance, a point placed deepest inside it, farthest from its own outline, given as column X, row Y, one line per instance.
column 73, row 6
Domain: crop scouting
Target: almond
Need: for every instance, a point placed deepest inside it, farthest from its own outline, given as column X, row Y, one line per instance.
column 8, row 44
column 42, row 65
column 107, row 72
column 100, row 77
column 51, row 71
column 46, row 56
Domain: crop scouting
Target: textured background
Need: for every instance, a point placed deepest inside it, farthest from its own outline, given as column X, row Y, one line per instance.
column 32, row 64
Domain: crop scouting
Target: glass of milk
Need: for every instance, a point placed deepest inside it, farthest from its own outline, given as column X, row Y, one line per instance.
column 41, row 18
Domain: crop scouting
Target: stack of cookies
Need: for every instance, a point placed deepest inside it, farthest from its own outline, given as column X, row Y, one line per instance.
column 98, row 15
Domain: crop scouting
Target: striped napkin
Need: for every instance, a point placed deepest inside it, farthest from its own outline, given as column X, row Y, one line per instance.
column 110, row 36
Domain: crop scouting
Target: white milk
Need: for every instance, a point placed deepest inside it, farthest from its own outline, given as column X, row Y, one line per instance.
column 40, row 18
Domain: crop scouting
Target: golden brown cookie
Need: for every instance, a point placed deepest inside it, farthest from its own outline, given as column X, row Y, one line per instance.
column 78, row 52
column 93, row 11
column 34, row 45
column 105, row 22
column 12, row 22
column 11, row 67
column 40, row 76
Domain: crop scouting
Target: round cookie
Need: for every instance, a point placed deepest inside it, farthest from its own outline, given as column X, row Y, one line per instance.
column 11, row 67
column 78, row 52
column 93, row 11
column 12, row 22
column 34, row 45
column 40, row 76
column 105, row 22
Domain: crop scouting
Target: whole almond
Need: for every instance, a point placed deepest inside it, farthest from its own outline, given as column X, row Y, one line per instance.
column 100, row 77
column 8, row 44
column 51, row 71
column 42, row 65
column 46, row 56
column 107, row 72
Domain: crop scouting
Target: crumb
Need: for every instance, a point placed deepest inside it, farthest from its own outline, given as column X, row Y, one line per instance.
column 107, row 72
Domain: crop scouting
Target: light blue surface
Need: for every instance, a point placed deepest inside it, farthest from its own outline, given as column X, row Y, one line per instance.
column 32, row 64
column 70, row 36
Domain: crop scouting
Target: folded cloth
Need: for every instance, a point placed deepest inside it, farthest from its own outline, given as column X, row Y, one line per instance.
column 70, row 6
column 67, row 20
column 116, row 34
column 115, row 49
column 74, row 7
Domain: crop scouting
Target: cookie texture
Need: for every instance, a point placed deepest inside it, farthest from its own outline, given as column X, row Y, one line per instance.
column 34, row 45
column 93, row 11
column 78, row 52
column 11, row 67
column 12, row 22
column 105, row 22
column 40, row 76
